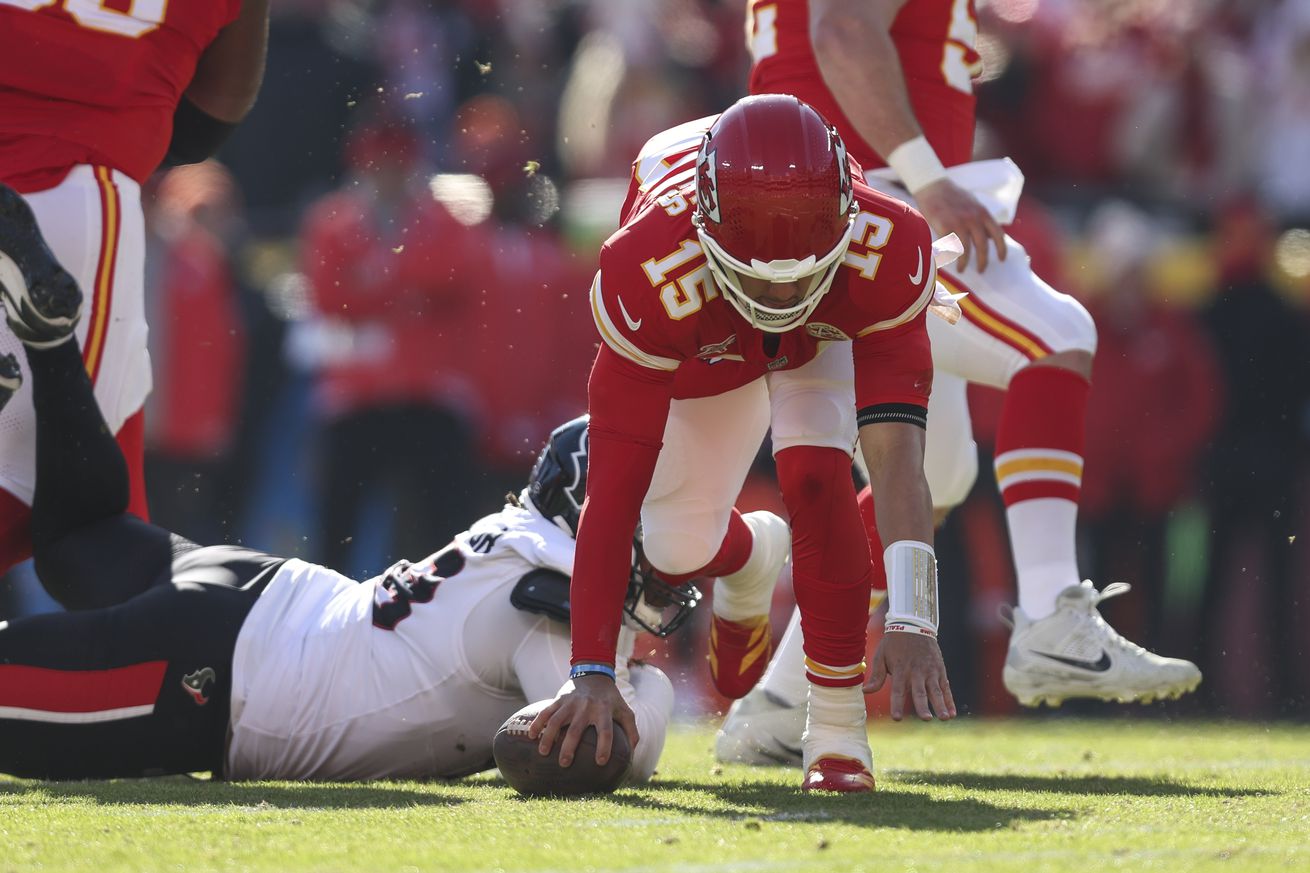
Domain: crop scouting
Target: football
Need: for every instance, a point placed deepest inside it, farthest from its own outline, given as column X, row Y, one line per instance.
column 535, row 775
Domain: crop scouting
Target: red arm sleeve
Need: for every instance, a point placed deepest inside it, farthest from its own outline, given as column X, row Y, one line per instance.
column 629, row 406
column 894, row 366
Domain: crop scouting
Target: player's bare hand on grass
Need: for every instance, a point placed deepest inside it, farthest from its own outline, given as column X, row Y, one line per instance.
column 915, row 664
column 594, row 701
column 951, row 209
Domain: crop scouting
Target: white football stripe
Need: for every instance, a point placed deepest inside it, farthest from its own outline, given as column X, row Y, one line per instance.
column 19, row 713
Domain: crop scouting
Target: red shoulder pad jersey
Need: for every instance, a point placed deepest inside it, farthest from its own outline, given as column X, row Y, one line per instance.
column 82, row 82
column 935, row 40
column 669, row 333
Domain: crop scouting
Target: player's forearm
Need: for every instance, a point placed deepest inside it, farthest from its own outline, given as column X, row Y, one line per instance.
column 901, row 499
column 859, row 64
column 618, row 476
column 629, row 406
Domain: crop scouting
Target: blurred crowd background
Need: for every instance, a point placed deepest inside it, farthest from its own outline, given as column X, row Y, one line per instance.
column 366, row 318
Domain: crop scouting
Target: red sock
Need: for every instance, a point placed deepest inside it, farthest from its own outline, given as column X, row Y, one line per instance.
column 830, row 562
column 731, row 557
column 1039, row 443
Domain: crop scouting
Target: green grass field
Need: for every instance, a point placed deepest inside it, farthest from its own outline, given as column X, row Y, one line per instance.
column 1040, row 794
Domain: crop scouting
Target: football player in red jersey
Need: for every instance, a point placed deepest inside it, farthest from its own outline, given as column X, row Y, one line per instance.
column 894, row 77
column 92, row 98
column 756, row 284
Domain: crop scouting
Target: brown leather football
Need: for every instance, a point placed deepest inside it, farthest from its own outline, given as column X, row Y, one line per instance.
column 537, row 775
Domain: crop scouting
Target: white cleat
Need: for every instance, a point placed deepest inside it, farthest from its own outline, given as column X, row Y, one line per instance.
column 761, row 730
column 1073, row 652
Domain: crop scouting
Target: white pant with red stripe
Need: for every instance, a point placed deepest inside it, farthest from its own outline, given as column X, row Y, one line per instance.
column 1010, row 319
column 93, row 223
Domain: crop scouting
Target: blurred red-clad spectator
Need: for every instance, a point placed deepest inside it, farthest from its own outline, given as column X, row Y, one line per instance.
column 197, row 343
column 534, row 340
column 1155, row 402
column 389, row 272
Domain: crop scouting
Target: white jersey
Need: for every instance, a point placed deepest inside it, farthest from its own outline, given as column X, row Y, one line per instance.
column 336, row 679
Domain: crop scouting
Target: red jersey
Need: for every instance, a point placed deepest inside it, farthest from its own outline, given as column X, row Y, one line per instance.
column 82, row 82
column 935, row 41
column 655, row 303
column 669, row 333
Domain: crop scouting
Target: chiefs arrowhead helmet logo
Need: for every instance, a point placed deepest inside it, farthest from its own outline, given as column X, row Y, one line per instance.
column 707, row 183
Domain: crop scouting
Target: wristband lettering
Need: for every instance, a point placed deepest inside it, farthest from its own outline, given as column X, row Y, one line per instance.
column 900, row 627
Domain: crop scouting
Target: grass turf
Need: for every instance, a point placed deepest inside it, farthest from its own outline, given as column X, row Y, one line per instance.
column 1045, row 794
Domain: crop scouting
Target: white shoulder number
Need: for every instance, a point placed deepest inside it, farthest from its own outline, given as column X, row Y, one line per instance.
column 961, row 39
column 872, row 232
column 145, row 15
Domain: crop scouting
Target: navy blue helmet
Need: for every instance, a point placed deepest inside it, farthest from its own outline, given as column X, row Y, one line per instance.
column 557, row 488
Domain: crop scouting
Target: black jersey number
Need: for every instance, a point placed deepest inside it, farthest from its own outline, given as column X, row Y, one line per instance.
column 407, row 584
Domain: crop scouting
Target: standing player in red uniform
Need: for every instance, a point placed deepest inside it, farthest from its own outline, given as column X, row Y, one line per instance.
column 92, row 98
column 895, row 78
column 753, row 285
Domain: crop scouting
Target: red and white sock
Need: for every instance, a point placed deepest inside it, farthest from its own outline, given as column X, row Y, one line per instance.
column 1039, row 470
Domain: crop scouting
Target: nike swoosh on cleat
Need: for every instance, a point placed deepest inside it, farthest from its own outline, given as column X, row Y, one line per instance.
column 632, row 325
column 787, row 757
column 1099, row 666
column 917, row 276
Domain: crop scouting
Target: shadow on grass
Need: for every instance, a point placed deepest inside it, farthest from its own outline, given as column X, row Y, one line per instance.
column 884, row 808
column 184, row 791
column 1140, row 786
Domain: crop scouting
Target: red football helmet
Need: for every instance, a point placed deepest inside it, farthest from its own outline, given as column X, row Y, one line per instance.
column 774, row 201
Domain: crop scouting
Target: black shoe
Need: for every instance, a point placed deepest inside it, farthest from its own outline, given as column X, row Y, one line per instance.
column 11, row 378
column 42, row 301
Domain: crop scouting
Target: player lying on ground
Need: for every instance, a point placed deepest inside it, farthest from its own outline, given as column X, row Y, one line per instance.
column 188, row 658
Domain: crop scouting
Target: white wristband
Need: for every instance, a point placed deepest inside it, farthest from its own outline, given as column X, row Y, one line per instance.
column 911, row 586
column 916, row 164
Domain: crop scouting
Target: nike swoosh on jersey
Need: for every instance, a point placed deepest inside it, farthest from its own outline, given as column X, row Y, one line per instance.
column 632, row 325
column 1099, row 666
column 917, row 276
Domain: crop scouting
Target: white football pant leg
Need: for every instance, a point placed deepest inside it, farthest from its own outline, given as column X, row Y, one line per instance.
column 814, row 405
column 980, row 348
column 709, row 445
